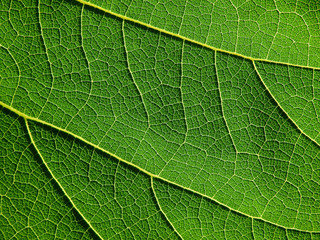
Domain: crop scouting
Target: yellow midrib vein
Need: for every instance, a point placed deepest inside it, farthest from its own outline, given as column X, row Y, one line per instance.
column 26, row 117
column 253, row 60
column 189, row 39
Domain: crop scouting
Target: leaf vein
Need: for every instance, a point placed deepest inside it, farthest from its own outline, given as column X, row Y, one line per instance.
column 189, row 39
column 26, row 117
column 56, row 180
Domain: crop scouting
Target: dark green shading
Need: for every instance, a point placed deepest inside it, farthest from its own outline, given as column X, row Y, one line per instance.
column 32, row 204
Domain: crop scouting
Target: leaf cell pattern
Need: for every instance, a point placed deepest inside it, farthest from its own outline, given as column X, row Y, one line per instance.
column 174, row 120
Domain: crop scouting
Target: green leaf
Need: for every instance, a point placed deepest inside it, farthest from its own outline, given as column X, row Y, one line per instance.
column 159, row 119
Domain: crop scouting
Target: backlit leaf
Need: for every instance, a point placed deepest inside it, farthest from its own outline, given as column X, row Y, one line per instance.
column 159, row 119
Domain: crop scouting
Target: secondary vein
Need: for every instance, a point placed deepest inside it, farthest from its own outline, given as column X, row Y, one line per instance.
column 26, row 117
column 188, row 39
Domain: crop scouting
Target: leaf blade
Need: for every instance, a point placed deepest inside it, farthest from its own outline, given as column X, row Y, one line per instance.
column 184, row 132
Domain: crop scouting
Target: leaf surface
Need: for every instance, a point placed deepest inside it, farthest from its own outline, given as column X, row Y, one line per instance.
column 159, row 120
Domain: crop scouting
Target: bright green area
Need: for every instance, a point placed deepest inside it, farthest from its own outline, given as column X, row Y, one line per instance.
column 282, row 31
column 136, row 133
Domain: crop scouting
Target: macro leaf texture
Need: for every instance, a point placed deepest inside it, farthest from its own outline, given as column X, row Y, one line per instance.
column 159, row 119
